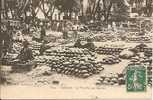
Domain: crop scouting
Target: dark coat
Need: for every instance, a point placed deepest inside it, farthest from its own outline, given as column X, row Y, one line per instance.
column 25, row 54
column 43, row 33
column 89, row 46
column 78, row 45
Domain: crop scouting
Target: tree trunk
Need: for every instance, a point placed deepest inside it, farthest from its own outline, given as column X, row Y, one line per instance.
column 96, row 9
column 52, row 12
column 149, row 8
column 81, row 2
column 25, row 14
column 92, row 13
column 104, row 10
column 107, row 12
column 70, row 14
column 59, row 16
column 12, row 13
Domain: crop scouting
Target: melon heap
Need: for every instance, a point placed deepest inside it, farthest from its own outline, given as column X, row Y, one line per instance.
column 79, row 67
column 71, row 61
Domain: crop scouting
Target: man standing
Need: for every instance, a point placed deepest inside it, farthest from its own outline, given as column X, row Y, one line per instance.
column 43, row 47
column 78, row 44
column 89, row 45
column 43, row 32
column 65, row 33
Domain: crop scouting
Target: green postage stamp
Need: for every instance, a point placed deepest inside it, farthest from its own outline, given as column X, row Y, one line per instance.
column 136, row 78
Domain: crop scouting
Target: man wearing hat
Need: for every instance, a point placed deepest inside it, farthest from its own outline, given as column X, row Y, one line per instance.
column 89, row 45
column 26, row 53
column 78, row 44
column 43, row 47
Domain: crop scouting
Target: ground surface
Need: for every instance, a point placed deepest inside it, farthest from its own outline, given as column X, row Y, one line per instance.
column 43, row 86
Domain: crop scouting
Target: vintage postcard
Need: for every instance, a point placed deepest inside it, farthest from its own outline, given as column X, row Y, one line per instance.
column 76, row 49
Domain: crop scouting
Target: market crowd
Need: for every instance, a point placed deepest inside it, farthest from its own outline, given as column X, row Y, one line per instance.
column 26, row 54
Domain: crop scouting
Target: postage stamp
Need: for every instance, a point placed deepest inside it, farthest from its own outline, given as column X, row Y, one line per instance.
column 136, row 78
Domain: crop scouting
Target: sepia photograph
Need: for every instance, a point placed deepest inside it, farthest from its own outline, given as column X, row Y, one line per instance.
column 76, row 49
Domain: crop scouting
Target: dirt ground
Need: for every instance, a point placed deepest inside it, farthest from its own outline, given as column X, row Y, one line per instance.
column 67, row 84
column 26, row 81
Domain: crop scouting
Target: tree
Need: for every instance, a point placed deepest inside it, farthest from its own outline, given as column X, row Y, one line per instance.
column 149, row 7
column 107, row 5
column 47, row 7
column 99, row 8
column 103, row 8
column 121, row 11
column 147, row 10
column 67, row 6
column 16, row 7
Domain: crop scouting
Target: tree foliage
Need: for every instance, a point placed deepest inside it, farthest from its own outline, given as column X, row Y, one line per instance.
column 146, row 9
column 103, row 8
column 121, row 12
column 67, row 5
